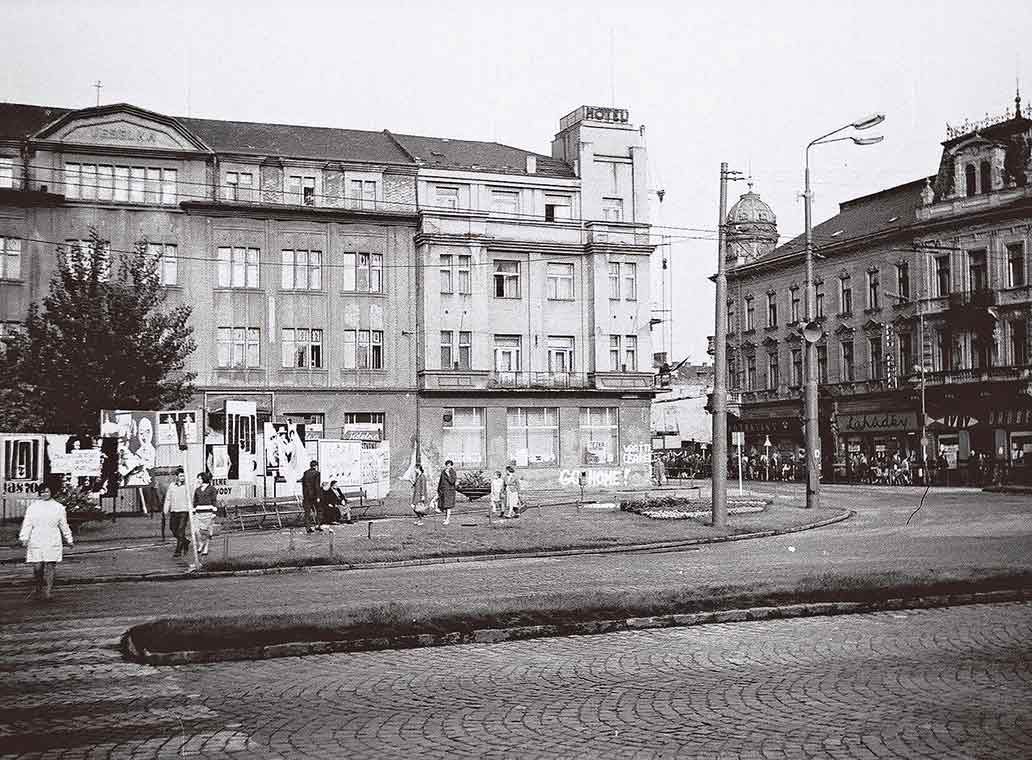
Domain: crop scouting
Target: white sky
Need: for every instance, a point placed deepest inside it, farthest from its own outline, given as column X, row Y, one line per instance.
column 746, row 82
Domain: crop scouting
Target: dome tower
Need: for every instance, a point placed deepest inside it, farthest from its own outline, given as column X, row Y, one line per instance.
column 752, row 229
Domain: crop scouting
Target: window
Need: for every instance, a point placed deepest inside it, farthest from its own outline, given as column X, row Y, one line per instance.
column 505, row 203
column 877, row 359
column 368, row 418
column 446, row 273
column 906, row 354
column 614, row 353
column 557, row 207
column 969, row 177
column 464, row 280
column 238, row 186
column 560, row 354
column 873, row 290
column 772, row 310
column 462, row 438
column 599, row 434
column 845, row 295
column 822, row 364
column 238, row 346
column 750, row 314
column 168, row 266
column 985, row 177
column 446, row 349
column 10, row 258
column 1018, row 341
column 1016, row 264
column 370, row 349
column 630, row 363
column 847, row 361
column 750, row 373
column 446, row 197
column 630, row 282
column 362, row 272
column 903, row 281
column 301, row 270
column 614, row 280
column 82, row 258
column 507, row 353
column 449, row 357
column 797, row 366
column 6, row 172
column 137, row 184
column 350, row 349
column 560, row 281
column 301, row 347
column 362, row 193
column 238, row 267
column 793, row 305
column 612, row 209
column 773, row 375
column 942, row 275
column 507, row 279
column 301, row 190
column 534, row 431
column 818, row 296
column 977, row 274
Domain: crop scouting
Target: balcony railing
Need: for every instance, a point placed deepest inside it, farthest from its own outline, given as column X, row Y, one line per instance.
column 974, row 375
column 539, row 380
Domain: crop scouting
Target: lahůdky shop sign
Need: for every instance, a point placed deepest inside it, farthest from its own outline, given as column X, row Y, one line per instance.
column 877, row 422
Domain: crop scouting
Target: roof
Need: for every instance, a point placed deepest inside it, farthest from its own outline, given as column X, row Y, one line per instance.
column 891, row 209
column 19, row 120
column 445, row 153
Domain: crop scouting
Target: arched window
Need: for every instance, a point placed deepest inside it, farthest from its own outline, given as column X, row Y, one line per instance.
column 969, row 173
column 985, row 177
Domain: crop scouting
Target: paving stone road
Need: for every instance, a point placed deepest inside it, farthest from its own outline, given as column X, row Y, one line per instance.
column 941, row 683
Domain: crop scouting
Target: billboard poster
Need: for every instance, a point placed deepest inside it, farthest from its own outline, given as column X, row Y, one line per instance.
column 285, row 453
column 242, row 439
column 73, row 455
column 136, row 432
column 376, row 470
column 217, row 460
column 169, row 424
column 341, row 461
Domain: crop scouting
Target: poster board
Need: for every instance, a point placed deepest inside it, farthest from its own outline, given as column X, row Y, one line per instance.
column 21, row 471
column 341, row 461
column 376, row 470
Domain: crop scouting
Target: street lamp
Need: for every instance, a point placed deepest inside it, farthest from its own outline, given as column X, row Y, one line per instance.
column 812, row 331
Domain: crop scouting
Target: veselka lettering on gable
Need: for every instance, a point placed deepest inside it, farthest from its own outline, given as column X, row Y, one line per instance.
column 877, row 422
column 123, row 134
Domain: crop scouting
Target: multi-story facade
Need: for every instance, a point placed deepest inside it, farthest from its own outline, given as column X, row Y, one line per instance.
column 315, row 260
column 922, row 291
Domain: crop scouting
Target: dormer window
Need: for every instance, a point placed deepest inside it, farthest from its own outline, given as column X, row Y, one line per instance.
column 302, row 190
column 985, row 177
column 238, row 185
column 969, row 178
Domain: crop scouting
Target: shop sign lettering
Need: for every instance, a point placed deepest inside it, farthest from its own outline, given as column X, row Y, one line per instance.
column 22, row 486
column 877, row 422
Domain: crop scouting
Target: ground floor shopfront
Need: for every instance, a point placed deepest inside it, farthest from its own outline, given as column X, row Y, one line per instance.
column 554, row 439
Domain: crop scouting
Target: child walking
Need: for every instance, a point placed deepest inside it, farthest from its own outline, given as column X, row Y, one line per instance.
column 497, row 489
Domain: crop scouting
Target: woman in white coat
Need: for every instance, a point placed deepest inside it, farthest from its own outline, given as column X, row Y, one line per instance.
column 43, row 530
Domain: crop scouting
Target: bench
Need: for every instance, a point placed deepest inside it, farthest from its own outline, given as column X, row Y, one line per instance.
column 257, row 512
column 359, row 493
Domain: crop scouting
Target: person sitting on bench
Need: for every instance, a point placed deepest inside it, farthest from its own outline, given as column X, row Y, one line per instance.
column 334, row 504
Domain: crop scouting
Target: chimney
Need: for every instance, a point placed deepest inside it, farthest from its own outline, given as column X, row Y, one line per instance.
column 531, row 164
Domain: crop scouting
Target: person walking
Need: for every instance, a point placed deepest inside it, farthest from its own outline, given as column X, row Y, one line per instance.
column 512, row 492
column 44, row 531
column 177, row 507
column 419, row 505
column 205, row 502
column 310, row 483
column 446, row 490
column 497, row 493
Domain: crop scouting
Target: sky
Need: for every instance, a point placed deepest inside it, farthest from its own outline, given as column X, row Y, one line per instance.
column 749, row 83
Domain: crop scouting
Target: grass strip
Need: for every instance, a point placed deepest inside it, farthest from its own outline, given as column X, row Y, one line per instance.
column 559, row 609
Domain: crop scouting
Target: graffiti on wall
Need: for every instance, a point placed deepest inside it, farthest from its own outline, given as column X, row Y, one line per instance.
column 637, row 453
column 612, row 478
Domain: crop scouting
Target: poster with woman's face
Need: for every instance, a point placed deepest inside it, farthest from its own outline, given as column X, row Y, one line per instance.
column 136, row 432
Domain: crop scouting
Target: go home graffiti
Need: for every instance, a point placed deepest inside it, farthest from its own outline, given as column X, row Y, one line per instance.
column 613, row 478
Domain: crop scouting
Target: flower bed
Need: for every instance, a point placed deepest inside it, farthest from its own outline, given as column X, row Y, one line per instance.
column 667, row 508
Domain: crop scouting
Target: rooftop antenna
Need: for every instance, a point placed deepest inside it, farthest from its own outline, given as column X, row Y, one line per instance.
column 97, row 86
column 612, row 68
column 1017, row 95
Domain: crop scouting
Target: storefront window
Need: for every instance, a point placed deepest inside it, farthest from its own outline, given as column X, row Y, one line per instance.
column 532, row 435
column 463, row 437
column 599, row 434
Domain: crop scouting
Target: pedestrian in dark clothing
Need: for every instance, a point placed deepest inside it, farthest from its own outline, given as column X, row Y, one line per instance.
column 446, row 490
column 419, row 505
column 310, row 483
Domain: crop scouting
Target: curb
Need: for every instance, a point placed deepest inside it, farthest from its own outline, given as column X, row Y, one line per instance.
column 522, row 633
column 630, row 548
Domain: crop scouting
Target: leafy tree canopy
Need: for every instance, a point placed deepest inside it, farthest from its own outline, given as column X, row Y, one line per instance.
column 102, row 339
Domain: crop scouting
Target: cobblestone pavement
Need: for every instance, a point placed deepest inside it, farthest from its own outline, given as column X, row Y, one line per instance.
column 942, row 683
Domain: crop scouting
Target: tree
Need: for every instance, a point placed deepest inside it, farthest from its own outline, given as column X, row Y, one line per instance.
column 98, row 342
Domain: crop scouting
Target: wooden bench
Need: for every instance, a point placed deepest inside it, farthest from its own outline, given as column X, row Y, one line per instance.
column 255, row 513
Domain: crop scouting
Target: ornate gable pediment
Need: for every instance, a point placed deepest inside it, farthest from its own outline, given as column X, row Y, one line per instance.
column 843, row 330
column 794, row 338
column 748, row 346
column 871, row 326
column 770, row 342
column 121, row 126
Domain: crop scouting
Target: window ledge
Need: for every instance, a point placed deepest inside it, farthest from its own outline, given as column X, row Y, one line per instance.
column 225, row 289
column 770, row 328
column 563, row 300
column 372, row 293
column 508, row 298
column 872, row 310
column 177, row 286
column 11, row 281
column 298, row 370
column 354, row 370
column 238, row 367
column 303, row 291
column 844, row 315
